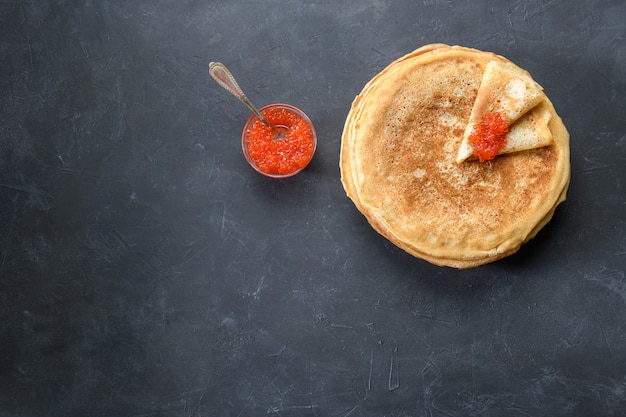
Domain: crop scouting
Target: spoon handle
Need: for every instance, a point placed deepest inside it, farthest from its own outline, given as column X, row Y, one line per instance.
column 224, row 78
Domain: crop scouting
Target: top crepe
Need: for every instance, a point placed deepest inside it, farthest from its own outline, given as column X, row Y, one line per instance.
column 398, row 163
column 510, row 91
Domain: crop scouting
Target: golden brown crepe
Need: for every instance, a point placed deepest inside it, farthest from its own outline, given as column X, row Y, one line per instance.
column 505, row 89
column 531, row 131
column 398, row 163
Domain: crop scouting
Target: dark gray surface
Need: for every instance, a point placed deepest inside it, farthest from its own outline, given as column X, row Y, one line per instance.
column 146, row 270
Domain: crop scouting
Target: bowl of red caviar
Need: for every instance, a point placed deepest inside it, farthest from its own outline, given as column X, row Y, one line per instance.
column 282, row 155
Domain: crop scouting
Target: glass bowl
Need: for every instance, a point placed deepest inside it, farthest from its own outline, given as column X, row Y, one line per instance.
column 285, row 155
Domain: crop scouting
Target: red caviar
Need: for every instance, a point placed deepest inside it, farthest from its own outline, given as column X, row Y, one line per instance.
column 488, row 136
column 286, row 155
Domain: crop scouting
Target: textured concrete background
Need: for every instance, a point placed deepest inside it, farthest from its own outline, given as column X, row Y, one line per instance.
column 147, row 270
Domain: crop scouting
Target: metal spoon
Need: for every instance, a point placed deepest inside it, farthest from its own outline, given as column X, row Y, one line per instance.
column 224, row 78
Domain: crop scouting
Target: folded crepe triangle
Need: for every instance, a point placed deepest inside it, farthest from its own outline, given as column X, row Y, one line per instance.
column 531, row 131
column 511, row 93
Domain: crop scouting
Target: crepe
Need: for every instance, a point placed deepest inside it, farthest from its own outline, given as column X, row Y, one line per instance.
column 508, row 90
column 398, row 163
column 531, row 131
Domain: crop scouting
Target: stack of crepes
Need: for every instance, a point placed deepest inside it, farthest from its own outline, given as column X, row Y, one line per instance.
column 408, row 166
